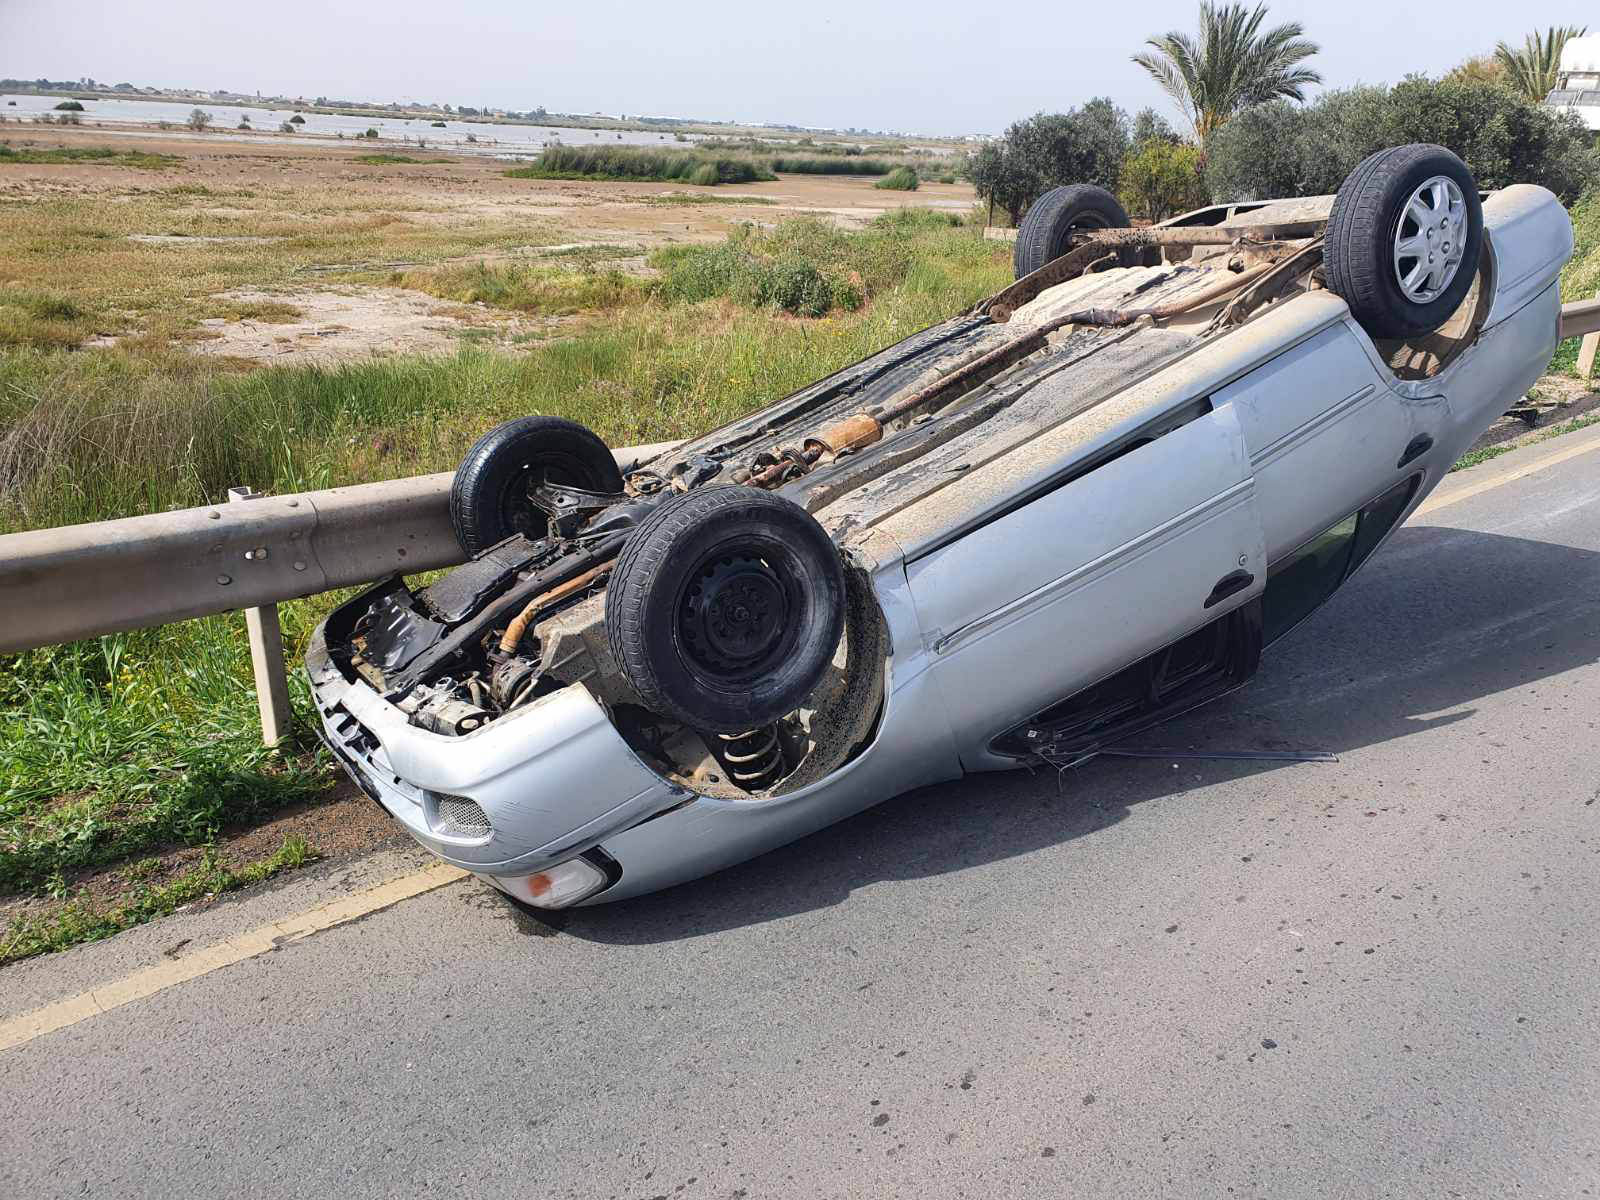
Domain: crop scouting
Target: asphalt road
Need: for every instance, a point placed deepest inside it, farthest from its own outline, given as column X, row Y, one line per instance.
column 1379, row 977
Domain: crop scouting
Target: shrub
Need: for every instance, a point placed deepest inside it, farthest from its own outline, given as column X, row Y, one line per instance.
column 1084, row 145
column 638, row 163
column 244, row 123
column 286, row 127
column 69, row 106
column 705, row 175
column 297, row 119
column 810, row 267
column 839, row 164
column 1276, row 150
column 901, row 179
column 199, row 120
column 371, row 133
column 435, row 124
column 1162, row 178
column 69, row 118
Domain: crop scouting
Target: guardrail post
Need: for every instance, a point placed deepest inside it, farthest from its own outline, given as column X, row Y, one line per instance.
column 266, row 658
column 1587, row 350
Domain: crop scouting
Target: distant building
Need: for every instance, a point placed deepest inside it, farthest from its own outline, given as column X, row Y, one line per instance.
column 1578, row 80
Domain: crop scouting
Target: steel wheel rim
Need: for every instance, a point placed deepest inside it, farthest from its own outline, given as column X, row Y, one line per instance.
column 736, row 614
column 1430, row 239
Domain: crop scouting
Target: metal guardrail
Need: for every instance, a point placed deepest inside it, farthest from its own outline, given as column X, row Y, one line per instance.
column 80, row 581
column 77, row 581
column 1580, row 318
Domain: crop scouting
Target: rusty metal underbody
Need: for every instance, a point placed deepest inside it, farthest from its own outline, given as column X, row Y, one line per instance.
column 1115, row 289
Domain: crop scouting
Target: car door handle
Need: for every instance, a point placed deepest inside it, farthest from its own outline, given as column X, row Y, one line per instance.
column 1234, row 581
column 1415, row 449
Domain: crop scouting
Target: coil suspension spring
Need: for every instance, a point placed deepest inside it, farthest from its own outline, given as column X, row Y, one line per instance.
column 753, row 759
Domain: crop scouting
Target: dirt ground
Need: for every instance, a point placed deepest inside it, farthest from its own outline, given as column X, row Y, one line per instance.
column 304, row 183
column 362, row 322
column 445, row 188
column 344, row 822
column 1554, row 400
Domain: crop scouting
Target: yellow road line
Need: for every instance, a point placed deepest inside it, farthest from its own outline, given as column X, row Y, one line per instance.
column 1499, row 479
column 17, row 1030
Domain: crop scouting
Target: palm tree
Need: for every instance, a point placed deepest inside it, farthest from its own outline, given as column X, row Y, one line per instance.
column 1231, row 65
column 1531, row 71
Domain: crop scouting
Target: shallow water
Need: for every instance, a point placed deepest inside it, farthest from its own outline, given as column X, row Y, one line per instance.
column 492, row 138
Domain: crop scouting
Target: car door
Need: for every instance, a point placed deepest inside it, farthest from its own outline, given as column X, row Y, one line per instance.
column 1325, row 433
column 1089, row 576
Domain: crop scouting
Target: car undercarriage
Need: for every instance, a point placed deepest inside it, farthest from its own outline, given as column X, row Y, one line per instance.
column 930, row 547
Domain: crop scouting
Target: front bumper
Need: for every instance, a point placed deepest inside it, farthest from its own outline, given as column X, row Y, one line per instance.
column 552, row 780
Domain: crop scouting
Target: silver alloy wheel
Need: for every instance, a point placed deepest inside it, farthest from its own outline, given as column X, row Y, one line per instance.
column 1430, row 239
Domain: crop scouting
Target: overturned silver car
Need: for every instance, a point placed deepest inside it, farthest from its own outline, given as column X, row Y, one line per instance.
column 1022, row 535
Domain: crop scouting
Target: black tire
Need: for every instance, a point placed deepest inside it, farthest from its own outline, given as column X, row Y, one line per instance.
column 725, row 608
column 489, row 498
column 1056, row 214
column 1369, row 216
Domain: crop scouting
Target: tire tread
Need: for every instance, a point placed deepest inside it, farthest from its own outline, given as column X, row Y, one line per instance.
column 644, row 555
column 1049, row 216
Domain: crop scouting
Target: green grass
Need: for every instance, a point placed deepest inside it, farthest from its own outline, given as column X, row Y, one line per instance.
column 80, row 918
column 42, row 319
column 1474, row 457
column 378, row 160
column 810, row 267
column 1581, row 279
column 1565, row 359
column 127, row 743
column 546, row 290
column 588, row 257
column 103, row 155
column 641, row 164
column 901, row 179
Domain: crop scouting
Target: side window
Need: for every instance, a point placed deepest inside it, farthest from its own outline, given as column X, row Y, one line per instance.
column 1304, row 578
column 1379, row 517
column 1301, row 580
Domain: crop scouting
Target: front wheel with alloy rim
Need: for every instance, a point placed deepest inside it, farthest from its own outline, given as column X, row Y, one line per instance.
column 725, row 608
column 1404, row 238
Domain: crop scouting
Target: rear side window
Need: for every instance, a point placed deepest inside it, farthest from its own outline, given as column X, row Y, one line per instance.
column 1302, row 579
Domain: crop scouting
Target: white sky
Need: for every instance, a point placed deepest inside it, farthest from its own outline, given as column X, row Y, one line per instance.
column 934, row 67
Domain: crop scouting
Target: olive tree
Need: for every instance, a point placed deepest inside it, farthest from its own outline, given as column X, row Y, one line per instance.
column 1279, row 149
column 1083, row 145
